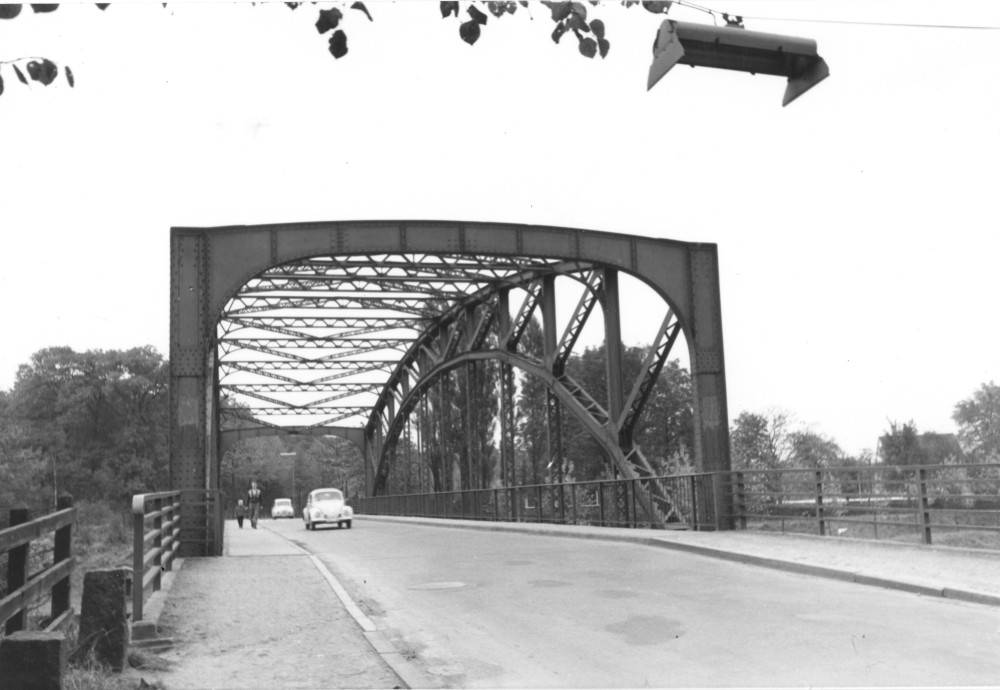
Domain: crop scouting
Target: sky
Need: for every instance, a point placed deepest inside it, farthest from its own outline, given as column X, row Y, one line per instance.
column 856, row 228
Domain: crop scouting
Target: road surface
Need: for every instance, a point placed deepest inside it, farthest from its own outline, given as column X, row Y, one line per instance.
column 513, row 610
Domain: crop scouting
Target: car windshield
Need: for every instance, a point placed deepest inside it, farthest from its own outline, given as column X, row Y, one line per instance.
column 283, row 502
column 329, row 495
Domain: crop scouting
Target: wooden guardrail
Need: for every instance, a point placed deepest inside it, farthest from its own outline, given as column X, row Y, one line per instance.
column 25, row 589
column 154, row 546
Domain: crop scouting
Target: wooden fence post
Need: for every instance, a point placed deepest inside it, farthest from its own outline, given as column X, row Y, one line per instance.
column 17, row 568
column 63, row 550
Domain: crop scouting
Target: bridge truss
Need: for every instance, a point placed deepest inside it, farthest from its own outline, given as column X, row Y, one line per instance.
column 359, row 329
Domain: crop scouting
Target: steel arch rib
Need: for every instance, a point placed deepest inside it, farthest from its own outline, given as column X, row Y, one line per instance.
column 454, row 313
column 605, row 436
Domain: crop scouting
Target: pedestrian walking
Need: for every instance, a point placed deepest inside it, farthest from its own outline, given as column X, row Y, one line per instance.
column 253, row 499
column 241, row 511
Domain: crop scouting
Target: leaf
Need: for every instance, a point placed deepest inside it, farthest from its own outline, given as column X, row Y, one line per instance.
column 588, row 47
column 560, row 10
column 291, row 5
column 338, row 44
column 603, row 46
column 657, row 6
column 469, row 31
column 69, row 76
column 511, row 6
column 361, row 7
column 9, row 11
column 558, row 32
column 44, row 71
column 597, row 26
column 449, row 8
column 1, row 84
column 20, row 74
column 102, row 5
column 45, row 8
column 328, row 20
column 579, row 9
column 577, row 23
column 477, row 15
column 497, row 9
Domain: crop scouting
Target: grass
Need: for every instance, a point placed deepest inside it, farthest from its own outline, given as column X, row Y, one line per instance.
column 941, row 534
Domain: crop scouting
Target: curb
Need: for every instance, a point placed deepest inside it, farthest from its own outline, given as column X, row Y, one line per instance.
column 145, row 634
column 409, row 673
column 968, row 596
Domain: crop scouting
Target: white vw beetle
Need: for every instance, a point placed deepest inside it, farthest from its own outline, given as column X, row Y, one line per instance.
column 326, row 506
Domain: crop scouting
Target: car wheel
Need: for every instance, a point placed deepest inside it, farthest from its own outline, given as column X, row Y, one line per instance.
column 348, row 524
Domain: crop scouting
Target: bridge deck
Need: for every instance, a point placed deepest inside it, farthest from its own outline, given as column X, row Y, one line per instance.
column 296, row 609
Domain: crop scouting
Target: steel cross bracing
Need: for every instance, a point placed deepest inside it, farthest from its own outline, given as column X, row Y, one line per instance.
column 339, row 326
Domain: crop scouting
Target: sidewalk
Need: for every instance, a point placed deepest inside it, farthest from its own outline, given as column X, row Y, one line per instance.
column 264, row 616
column 964, row 574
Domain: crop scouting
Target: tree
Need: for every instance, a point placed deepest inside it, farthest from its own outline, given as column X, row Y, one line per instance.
column 567, row 17
column 813, row 450
column 760, row 441
column 97, row 419
column 978, row 419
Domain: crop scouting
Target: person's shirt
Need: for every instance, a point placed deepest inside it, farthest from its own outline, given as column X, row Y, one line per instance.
column 254, row 495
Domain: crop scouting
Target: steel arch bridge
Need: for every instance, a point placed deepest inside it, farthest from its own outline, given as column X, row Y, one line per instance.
column 344, row 328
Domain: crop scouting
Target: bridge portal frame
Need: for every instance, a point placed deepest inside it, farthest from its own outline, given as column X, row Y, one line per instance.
column 209, row 266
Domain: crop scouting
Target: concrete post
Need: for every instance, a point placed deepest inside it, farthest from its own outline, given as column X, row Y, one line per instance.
column 33, row 660
column 104, row 627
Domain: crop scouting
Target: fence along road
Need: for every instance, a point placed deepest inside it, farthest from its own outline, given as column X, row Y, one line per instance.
column 514, row 610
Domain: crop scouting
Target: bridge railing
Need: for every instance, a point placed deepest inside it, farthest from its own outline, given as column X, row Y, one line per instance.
column 26, row 589
column 957, row 504
column 606, row 503
column 158, row 535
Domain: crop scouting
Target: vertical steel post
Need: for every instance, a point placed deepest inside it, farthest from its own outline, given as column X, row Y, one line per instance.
column 138, row 556
column 553, row 427
column 925, row 508
column 613, row 346
column 819, row 503
column 157, row 543
column 708, row 373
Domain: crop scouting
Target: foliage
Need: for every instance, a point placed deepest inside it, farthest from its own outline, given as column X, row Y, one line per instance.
column 978, row 419
column 91, row 423
column 290, row 467
column 568, row 18
column 760, row 441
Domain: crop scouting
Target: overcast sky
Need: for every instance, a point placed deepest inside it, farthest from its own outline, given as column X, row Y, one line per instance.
column 857, row 228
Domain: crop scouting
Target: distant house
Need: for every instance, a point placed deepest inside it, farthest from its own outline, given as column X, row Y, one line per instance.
column 940, row 449
column 931, row 449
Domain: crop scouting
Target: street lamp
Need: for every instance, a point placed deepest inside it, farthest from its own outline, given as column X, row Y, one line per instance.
column 728, row 47
column 295, row 455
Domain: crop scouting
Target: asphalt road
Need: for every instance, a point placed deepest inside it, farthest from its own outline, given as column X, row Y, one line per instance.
column 515, row 610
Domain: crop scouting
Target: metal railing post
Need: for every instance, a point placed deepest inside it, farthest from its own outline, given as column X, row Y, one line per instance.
column 819, row 503
column 925, row 513
column 157, row 543
column 741, row 507
column 138, row 542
